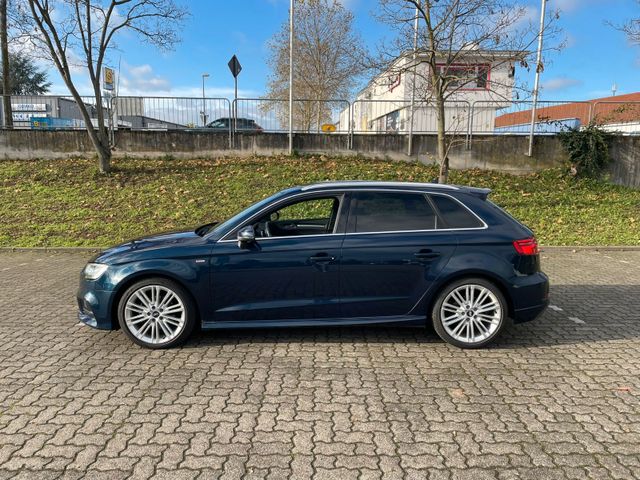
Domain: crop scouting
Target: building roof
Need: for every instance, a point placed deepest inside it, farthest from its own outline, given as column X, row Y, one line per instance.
column 606, row 110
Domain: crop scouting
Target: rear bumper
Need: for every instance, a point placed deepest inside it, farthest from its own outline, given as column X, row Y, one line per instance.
column 531, row 313
column 530, row 297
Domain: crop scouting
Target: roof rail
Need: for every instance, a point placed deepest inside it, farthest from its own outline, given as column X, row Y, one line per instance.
column 366, row 183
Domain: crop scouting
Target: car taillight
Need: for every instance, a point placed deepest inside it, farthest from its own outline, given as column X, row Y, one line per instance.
column 526, row 246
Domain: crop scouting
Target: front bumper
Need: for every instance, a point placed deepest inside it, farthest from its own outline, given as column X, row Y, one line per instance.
column 94, row 307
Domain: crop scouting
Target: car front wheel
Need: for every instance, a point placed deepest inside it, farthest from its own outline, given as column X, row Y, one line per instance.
column 156, row 313
column 470, row 313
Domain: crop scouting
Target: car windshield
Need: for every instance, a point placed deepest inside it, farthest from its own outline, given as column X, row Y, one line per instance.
column 245, row 214
column 220, row 123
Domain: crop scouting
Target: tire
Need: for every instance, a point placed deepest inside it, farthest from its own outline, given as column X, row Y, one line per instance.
column 470, row 313
column 157, row 313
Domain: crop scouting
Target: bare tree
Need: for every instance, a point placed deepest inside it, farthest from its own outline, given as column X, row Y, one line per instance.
column 327, row 61
column 631, row 29
column 451, row 36
column 81, row 32
column 6, row 80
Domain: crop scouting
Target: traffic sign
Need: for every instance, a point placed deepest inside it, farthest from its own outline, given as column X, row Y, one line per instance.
column 108, row 78
column 234, row 66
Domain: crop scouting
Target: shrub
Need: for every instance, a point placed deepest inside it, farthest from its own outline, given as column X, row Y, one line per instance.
column 588, row 149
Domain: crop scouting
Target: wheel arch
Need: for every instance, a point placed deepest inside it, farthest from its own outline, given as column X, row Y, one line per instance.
column 143, row 275
column 483, row 274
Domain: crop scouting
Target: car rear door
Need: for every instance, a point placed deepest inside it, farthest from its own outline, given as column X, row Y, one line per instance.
column 391, row 254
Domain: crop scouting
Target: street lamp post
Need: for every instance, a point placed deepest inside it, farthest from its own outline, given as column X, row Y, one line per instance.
column 536, row 85
column 291, row 10
column 204, row 103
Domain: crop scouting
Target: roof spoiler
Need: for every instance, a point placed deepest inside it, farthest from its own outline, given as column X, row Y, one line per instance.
column 482, row 193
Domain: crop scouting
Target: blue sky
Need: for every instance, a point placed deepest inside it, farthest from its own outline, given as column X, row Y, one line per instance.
column 596, row 55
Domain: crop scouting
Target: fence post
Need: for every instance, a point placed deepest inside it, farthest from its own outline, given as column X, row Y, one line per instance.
column 593, row 109
column 352, row 107
column 472, row 115
column 231, row 107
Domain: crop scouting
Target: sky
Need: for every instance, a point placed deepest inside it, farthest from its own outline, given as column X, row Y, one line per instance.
column 595, row 57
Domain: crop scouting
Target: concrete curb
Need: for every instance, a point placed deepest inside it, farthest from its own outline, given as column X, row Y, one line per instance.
column 589, row 248
column 549, row 248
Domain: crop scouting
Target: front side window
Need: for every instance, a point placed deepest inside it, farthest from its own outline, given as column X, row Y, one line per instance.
column 315, row 216
column 391, row 212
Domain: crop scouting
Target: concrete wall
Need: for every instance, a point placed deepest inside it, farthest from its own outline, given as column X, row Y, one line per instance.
column 496, row 152
column 625, row 169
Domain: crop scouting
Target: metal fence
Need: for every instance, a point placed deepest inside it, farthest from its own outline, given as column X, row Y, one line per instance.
column 394, row 116
column 309, row 116
column 334, row 116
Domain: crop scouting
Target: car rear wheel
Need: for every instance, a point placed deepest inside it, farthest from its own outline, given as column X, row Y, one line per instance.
column 470, row 313
column 157, row 313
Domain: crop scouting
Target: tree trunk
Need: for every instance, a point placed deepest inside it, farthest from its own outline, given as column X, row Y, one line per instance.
column 442, row 140
column 100, row 140
column 6, row 76
column 104, row 151
column 104, row 159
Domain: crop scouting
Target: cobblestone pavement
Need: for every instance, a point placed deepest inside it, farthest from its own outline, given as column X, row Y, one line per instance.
column 557, row 398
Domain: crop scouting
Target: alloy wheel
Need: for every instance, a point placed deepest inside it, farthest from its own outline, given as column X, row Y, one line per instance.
column 155, row 314
column 471, row 313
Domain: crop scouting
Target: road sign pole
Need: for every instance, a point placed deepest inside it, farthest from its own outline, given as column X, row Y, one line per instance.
column 235, row 103
column 235, row 68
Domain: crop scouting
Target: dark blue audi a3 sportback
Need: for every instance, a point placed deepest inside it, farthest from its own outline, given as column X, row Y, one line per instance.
column 341, row 253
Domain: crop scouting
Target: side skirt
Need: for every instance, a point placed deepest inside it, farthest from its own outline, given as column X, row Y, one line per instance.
column 408, row 320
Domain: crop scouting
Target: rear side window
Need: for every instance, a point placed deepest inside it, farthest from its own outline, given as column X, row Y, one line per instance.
column 391, row 212
column 454, row 214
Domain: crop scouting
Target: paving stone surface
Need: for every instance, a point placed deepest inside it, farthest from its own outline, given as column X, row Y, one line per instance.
column 558, row 398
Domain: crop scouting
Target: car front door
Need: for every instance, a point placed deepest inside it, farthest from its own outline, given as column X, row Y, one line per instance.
column 290, row 271
column 391, row 254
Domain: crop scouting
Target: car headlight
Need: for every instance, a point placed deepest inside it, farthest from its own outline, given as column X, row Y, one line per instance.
column 93, row 271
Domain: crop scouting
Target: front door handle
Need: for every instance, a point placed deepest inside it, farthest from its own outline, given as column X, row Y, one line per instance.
column 321, row 258
column 426, row 254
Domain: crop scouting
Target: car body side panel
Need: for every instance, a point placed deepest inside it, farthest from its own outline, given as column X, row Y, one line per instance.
column 382, row 274
column 276, row 279
column 186, row 264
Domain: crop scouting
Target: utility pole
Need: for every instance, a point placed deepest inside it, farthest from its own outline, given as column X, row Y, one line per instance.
column 204, row 102
column 536, row 85
column 413, row 86
column 6, row 76
column 291, row 77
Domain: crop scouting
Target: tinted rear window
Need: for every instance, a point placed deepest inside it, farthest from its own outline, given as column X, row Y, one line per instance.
column 454, row 214
column 388, row 212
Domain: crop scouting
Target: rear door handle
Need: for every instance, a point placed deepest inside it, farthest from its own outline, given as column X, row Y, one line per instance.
column 321, row 258
column 426, row 254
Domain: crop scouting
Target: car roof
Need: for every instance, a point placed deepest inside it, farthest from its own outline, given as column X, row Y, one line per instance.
column 366, row 184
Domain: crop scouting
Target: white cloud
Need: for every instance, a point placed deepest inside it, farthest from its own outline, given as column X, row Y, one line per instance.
column 560, row 83
column 568, row 6
column 140, row 79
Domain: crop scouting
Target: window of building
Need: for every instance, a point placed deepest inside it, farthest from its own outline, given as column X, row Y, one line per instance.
column 466, row 77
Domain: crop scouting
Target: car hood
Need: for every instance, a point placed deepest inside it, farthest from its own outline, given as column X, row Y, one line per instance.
column 148, row 247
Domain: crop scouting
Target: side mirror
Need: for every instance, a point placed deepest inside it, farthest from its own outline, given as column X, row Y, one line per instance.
column 246, row 235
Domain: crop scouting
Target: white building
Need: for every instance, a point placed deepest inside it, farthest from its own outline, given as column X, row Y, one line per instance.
column 482, row 78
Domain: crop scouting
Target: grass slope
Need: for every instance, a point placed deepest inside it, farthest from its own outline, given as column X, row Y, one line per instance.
column 68, row 203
